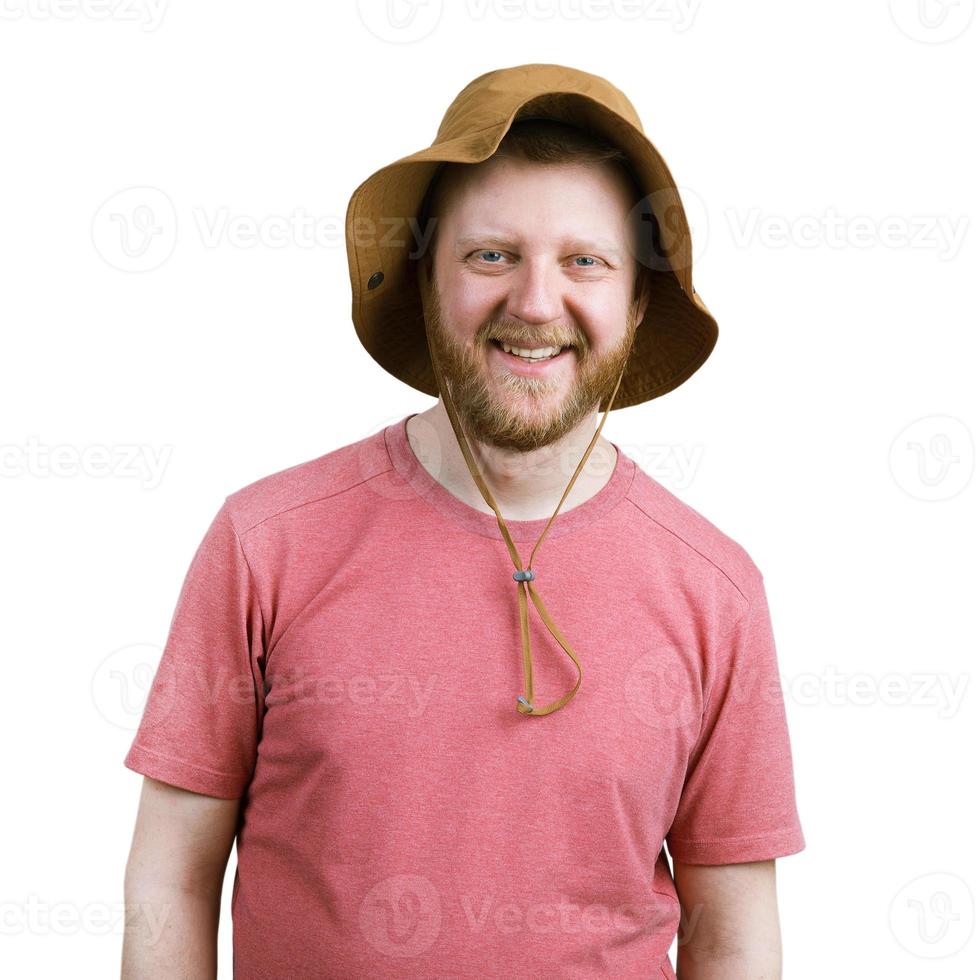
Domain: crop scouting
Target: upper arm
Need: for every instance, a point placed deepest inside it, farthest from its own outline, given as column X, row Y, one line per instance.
column 729, row 909
column 737, row 803
column 201, row 722
column 181, row 838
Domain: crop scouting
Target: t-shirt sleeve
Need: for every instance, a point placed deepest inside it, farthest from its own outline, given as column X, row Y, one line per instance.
column 200, row 723
column 738, row 801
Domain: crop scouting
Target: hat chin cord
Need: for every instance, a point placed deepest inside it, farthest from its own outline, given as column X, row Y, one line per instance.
column 523, row 575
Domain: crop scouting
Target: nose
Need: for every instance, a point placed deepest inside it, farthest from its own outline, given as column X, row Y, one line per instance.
column 535, row 293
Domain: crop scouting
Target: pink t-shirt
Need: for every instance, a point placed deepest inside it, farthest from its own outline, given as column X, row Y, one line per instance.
column 345, row 656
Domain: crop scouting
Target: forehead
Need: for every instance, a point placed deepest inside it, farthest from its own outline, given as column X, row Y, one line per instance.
column 508, row 196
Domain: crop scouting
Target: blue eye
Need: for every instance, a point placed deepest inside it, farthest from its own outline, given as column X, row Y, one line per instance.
column 591, row 261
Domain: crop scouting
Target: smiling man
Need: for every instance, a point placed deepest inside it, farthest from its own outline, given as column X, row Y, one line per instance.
column 532, row 322
column 337, row 692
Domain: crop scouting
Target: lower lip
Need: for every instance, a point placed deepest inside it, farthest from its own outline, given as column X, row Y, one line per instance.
column 535, row 368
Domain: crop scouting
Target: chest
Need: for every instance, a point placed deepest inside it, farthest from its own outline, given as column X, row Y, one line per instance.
column 412, row 672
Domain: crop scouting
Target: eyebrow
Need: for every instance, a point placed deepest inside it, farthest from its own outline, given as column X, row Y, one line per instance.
column 499, row 241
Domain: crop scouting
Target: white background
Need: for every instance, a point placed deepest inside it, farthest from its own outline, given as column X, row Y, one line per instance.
column 828, row 159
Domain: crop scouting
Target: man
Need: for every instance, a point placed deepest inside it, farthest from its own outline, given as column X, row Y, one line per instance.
column 337, row 688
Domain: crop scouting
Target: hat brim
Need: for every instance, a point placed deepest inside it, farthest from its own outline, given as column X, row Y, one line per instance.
column 677, row 332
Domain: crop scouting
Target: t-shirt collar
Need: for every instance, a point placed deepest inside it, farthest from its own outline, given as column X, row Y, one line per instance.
column 429, row 489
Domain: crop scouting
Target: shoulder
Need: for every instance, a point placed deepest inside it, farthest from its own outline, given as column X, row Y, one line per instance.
column 701, row 548
column 331, row 475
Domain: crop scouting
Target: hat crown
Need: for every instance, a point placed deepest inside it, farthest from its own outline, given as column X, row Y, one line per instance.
column 535, row 89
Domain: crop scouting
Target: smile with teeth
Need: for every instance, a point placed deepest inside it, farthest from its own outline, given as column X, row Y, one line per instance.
column 530, row 355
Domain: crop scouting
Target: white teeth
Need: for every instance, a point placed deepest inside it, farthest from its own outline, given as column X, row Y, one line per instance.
column 539, row 353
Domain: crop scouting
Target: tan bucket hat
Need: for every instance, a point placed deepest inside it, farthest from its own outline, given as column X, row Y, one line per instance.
column 677, row 333
column 672, row 341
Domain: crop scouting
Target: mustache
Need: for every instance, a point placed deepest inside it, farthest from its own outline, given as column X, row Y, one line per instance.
column 520, row 337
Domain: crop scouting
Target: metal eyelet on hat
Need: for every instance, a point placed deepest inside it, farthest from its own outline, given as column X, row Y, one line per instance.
column 523, row 576
column 375, row 280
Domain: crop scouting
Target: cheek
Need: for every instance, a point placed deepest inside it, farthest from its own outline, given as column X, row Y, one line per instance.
column 605, row 329
column 465, row 313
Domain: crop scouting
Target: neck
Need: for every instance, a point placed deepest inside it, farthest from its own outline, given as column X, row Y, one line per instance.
column 526, row 486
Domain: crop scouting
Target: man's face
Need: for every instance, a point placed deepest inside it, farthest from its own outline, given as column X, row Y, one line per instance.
column 534, row 256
